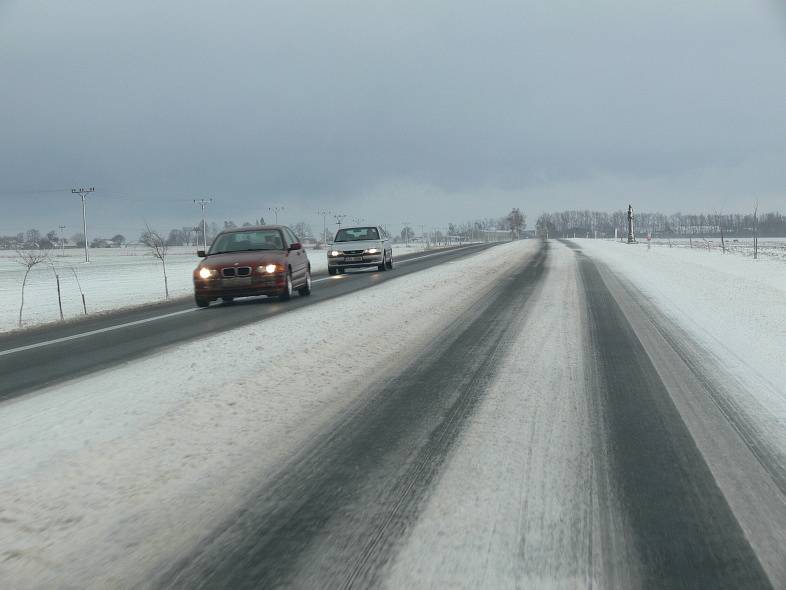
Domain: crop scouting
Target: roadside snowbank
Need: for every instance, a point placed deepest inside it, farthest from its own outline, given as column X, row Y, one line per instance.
column 113, row 279
column 106, row 478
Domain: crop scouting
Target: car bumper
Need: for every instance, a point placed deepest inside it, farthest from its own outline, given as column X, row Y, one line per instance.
column 367, row 260
column 216, row 288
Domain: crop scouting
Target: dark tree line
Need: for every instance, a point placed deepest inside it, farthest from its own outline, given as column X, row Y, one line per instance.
column 191, row 235
column 586, row 222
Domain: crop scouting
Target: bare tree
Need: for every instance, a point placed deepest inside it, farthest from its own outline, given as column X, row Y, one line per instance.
column 57, row 280
column 756, row 231
column 159, row 248
column 516, row 221
column 79, row 286
column 302, row 230
column 719, row 218
column 29, row 259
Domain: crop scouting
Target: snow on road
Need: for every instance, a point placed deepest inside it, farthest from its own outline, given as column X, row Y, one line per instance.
column 106, row 478
column 114, row 278
column 530, row 512
column 733, row 306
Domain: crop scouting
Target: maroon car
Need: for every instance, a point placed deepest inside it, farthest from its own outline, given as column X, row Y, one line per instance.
column 243, row 262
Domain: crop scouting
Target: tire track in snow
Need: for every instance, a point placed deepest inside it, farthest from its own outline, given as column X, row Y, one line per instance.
column 519, row 503
column 336, row 514
column 685, row 532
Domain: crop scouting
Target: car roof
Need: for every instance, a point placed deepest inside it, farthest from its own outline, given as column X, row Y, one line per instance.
column 252, row 228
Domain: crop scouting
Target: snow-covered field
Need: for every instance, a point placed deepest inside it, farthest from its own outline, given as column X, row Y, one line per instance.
column 114, row 278
column 733, row 306
column 768, row 249
column 105, row 477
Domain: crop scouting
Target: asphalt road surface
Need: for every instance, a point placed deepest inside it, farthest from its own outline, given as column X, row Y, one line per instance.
column 343, row 512
column 561, row 434
column 32, row 359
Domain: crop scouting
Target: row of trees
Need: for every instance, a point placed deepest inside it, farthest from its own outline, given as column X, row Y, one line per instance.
column 191, row 235
column 583, row 222
column 33, row 239
column 513, row 223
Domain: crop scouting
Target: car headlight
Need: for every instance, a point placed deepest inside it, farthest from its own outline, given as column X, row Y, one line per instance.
column 206, row 273
column 335, row 253
column 270, row 268
column 372, row 251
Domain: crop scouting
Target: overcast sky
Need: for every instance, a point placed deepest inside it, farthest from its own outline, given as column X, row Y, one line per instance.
column 392, row 111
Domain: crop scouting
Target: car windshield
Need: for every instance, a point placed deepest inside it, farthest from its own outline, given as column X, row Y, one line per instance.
column 357, row 234
column 241, row 241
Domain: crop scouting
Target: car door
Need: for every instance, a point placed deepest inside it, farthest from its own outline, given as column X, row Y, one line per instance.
column 297, row 258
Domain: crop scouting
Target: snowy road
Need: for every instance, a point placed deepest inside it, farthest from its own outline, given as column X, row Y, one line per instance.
column 81, row 347
column 536, row 423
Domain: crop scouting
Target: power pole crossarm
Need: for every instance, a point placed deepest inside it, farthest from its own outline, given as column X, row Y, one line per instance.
column 276, row 211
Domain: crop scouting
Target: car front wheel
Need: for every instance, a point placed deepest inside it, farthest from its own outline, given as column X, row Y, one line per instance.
column 286, row 295
column 390, row 261
column 201, row 302
column 305, row 290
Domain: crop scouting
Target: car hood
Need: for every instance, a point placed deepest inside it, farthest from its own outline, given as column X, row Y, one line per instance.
column 364, row 245
column 258, row 258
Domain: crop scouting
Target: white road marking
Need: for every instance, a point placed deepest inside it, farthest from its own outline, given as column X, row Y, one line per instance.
column 158, row 317
column 94, row 332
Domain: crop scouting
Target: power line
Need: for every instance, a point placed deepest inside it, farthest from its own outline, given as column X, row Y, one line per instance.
column 32, row 192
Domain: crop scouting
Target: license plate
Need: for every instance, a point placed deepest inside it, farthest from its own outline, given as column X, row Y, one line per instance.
column 236, row 282
column 353, row 259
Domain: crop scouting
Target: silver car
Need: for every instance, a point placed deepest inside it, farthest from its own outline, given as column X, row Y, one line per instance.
column 359, row 247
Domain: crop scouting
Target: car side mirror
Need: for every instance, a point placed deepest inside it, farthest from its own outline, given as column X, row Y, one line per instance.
column 295, row 246
column 201, row 253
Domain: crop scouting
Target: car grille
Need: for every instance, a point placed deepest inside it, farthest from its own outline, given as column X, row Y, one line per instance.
column 242, row 271
column 353, row 252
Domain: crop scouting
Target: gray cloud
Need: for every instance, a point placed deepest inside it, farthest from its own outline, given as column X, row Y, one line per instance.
column 482, row 105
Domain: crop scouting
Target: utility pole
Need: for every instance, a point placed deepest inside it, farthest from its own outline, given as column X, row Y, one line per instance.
column 203, row 203
column 357, row 220
column 83, row 192
column 276, row 211
column 62, row 252
column 324, row 213
column 339, row 217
